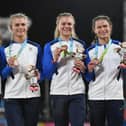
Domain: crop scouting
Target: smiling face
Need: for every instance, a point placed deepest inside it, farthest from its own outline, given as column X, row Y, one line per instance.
column 102, row 29
column 66, row 26
column 19, row 27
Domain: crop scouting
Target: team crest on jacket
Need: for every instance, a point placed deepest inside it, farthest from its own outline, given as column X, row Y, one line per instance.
column 30, row 48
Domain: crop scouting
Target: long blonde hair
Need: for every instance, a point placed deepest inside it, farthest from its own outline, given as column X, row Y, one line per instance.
column 65, row 14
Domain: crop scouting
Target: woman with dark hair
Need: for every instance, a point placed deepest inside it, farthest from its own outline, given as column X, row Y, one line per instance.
column 105, row 90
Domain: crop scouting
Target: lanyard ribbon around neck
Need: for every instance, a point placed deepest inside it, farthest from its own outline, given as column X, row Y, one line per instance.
column 20, row 50
column 70, row 48
column 104, row 52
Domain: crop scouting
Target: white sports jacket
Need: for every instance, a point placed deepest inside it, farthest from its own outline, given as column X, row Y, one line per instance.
column 105, row 86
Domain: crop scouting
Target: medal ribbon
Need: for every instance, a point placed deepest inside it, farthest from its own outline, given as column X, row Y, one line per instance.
column 104, row 52
column 20, row 50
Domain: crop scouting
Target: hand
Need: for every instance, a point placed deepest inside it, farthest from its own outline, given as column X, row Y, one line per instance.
column 57, row 52
column 37, row 74
column 12, row 62
column 79, row 65
column 32, row 72
column 93, row 63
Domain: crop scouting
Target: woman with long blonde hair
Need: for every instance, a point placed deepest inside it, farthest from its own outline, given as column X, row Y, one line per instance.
column 65, row 69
